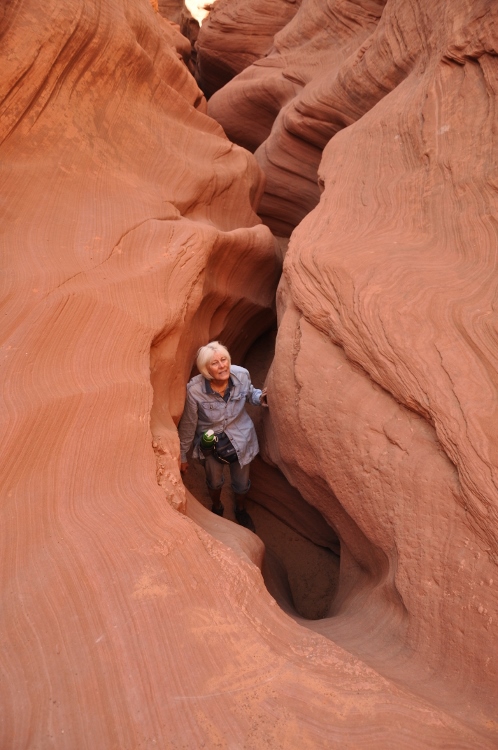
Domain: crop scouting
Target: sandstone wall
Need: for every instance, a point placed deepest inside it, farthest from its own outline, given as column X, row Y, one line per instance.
column 235, row 34
column 129, row 238
column 289, row 104
column 386, row 354
column 171, row 9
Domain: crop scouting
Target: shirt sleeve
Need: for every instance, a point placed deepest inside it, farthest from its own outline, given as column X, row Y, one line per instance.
column 253, row 395
column 187, row 426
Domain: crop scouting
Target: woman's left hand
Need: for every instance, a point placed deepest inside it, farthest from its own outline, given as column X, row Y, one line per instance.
column 263, row 398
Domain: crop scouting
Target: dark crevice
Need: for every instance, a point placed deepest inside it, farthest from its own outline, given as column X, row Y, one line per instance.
column 302, row 560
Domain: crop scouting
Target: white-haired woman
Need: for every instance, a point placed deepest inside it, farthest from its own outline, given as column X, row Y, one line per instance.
column 216, row 401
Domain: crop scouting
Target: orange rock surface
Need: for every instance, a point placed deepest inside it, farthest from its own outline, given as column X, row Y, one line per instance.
column 235, row 34
column 171, row 9
column 130, row 616
column 386, row 356
column 282, row 92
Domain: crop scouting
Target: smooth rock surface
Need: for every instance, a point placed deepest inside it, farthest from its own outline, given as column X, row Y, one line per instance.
column 386, row 356
column 171, row 9
column 236, row 34
column 267, row 108
column 130, row 237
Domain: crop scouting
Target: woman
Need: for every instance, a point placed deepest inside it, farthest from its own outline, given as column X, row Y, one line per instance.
column 216, row 401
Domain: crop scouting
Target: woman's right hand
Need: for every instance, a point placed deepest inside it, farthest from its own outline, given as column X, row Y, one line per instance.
column 183, row 467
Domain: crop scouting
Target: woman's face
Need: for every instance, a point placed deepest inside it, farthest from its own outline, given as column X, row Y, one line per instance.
column 219, row 368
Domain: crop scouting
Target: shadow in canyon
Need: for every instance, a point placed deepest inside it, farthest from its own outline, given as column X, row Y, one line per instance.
column 302, row 552
column 349, row 598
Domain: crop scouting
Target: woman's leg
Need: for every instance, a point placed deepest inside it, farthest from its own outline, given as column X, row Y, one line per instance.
column 214, row 481
column 241, row 485
column 240, row 480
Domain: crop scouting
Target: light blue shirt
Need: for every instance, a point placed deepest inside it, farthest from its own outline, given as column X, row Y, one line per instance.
column 208, row 411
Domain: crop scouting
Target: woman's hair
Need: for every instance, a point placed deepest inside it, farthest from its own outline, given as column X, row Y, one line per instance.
column 205, row 355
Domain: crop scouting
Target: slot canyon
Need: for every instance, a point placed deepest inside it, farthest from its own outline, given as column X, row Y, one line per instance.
column 313, row 183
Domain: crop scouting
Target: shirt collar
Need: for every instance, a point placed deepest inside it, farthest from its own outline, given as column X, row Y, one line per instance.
column 210, row 390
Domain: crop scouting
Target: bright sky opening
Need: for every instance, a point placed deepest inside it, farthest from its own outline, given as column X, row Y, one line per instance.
column 196, row 7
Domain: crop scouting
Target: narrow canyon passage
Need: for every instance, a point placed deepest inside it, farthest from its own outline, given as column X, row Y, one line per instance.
column 369, row 599
column 302, row 564
column 301, row 567
column 382, row 382
column 138, row 224
column 302, row 557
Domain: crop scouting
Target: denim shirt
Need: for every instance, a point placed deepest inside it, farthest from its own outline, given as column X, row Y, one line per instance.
column 208, row 411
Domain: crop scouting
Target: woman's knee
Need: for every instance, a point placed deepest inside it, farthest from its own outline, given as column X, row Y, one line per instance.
column 240, row 478
column 214, row 473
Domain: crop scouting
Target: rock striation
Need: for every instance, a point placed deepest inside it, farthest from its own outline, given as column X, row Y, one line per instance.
column 130, row 616
column 298, row 96
column 171, row 9
column 385, row 355
column 235, row 34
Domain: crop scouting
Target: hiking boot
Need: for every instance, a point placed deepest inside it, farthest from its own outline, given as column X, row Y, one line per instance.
column 244, row 519
column 217, row 504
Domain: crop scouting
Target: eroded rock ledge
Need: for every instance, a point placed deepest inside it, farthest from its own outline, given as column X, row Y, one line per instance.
column 385, row 354
column 131, row 229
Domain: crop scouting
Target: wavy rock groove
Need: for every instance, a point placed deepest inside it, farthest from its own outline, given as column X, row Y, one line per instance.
column 386, row 358
column 131, row 616
column 385, row 353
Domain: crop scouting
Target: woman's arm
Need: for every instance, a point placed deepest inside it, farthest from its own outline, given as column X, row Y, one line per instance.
column 187, row 427
column 256, row 396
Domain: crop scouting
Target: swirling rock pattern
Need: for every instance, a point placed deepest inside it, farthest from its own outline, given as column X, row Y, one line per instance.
column 235, row 34
column 171, row 9
column 386, row 355
column 129, row 238
column 277, row 95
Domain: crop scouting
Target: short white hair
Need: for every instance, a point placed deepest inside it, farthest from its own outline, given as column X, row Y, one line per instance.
column 205, row 355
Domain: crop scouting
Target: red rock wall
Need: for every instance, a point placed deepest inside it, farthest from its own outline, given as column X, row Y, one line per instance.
column 386, row 356
column 289, row 104
column 129, row 238
column 235, row 34
column 171, row 9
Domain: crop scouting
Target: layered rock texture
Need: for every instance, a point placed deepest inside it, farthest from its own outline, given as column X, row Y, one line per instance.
column 386, row 352
column 171, row 9
column 236, row 34
column 130, row 616
column 299, row 95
